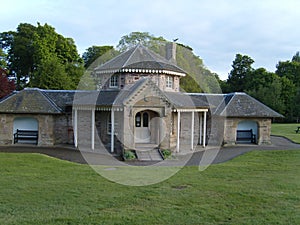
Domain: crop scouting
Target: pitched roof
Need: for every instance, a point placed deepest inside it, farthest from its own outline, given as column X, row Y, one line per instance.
column 29, row 101
column 141, row 60
column 237, row 104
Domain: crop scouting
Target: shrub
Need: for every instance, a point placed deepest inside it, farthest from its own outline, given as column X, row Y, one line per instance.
column 129, row 155
column 166, row 153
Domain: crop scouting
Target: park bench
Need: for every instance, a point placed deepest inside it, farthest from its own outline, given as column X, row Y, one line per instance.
column 297, row 130
column 246, row 136
column 26, row 135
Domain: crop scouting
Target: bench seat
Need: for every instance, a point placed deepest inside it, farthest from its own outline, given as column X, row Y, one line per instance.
column 26, row 135
column 245, row 136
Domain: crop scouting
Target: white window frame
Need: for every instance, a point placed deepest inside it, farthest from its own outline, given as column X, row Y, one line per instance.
column 169, row 82
column 114, row 81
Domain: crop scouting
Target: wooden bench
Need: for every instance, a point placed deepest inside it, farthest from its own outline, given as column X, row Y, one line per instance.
column 297, row 130
column 26, row 135
column 245, row 136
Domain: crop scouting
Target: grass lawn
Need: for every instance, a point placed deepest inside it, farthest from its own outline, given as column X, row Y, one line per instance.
column 286, row 130
column 260, row 187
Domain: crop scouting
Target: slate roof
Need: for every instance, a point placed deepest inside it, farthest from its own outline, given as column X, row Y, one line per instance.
column 141, row 59
column 34, row 100
column 29, row 101
column 237, row 104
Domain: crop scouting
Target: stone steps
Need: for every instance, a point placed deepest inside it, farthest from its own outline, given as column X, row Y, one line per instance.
column 149, row 155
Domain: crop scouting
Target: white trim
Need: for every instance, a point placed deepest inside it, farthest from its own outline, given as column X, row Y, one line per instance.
column 178, row 131
column 190, row 110
column 75, row 128
column 204, row 130
column 192, row 130
column 112, row 137
column 200, row 128
column 93, row 129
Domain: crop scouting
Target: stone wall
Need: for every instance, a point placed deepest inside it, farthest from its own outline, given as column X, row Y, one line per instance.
column 263, row 125
column 45, row 126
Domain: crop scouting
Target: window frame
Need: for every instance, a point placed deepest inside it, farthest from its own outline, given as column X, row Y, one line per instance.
column 114, row 81
column 169, row 82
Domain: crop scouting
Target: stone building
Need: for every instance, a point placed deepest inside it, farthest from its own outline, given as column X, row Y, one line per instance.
column 138, row 106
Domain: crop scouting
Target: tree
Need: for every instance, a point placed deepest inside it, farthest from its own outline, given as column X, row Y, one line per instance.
column 3, row 59
column 94, row 52
column 33, row 48
column 6, row 86
column 241, row 70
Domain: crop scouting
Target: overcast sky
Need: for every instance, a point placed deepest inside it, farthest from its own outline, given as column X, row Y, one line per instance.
column 266, row 30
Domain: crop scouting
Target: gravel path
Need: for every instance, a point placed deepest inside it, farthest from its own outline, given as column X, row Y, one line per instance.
column 212, row 155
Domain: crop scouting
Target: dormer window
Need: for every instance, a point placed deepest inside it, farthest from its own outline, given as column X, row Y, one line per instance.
column 169, row 81
column 114, row 81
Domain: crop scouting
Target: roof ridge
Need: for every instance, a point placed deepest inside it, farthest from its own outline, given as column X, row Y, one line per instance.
column 48, row 98
column 134, row 49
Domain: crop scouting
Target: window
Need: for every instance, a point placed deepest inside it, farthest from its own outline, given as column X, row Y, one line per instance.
column 145, row 119
column 138, row 120
column 169, row 82
column 113, row 82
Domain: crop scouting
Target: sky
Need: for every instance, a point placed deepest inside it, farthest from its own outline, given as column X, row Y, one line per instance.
column 266, row 30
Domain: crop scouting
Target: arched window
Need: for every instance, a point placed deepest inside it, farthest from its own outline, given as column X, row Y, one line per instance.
column 138, row 120
column 145, row 119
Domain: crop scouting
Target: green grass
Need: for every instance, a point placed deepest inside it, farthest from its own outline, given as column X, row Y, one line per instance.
column 286, row 130
column 260, row 187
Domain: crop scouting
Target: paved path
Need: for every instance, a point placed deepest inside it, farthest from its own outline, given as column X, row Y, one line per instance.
column 212, row 155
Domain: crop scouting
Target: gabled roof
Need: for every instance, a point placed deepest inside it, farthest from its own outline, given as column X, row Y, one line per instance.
column 29, row 101
column 140, row 59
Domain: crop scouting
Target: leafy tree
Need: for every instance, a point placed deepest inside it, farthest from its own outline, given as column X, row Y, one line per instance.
column 34, row 48
column 241, row 70
column 3, row 58
column 6, row 86
column 129, row 41
column 93, row 53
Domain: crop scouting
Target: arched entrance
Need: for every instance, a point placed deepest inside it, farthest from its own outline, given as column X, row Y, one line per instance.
column 248, row 125
column 26, row 123
column 146, row 129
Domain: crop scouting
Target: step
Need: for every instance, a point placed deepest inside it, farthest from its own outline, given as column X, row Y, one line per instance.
column 150, row 155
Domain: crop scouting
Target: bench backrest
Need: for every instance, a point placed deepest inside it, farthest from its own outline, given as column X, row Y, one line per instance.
column 27, row 132
column 244, row 133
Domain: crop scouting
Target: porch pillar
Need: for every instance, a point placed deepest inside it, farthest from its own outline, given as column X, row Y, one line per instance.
column 75, row 128
column 178, row 131
column 204, row 130
column 93, row 129
column 192, row 130
column 112, row 134
column 200, row 128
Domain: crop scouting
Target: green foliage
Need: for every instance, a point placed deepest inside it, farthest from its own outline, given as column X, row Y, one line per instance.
column 129, row 155
column 93, row 53
column 166, row 153
column 241, row 69
column 33, row 50
column 260, row 187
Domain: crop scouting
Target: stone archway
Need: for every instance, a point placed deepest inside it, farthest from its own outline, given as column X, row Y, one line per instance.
column 146, row 127
column 25, row 123
column 249, row 125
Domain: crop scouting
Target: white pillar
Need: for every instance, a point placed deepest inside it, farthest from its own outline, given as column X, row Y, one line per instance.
column 192, row 130
column 178, row 131
column 204, row 130
column 200, row 128
column 93, row 129
column 112, row 134
column 75, row 128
